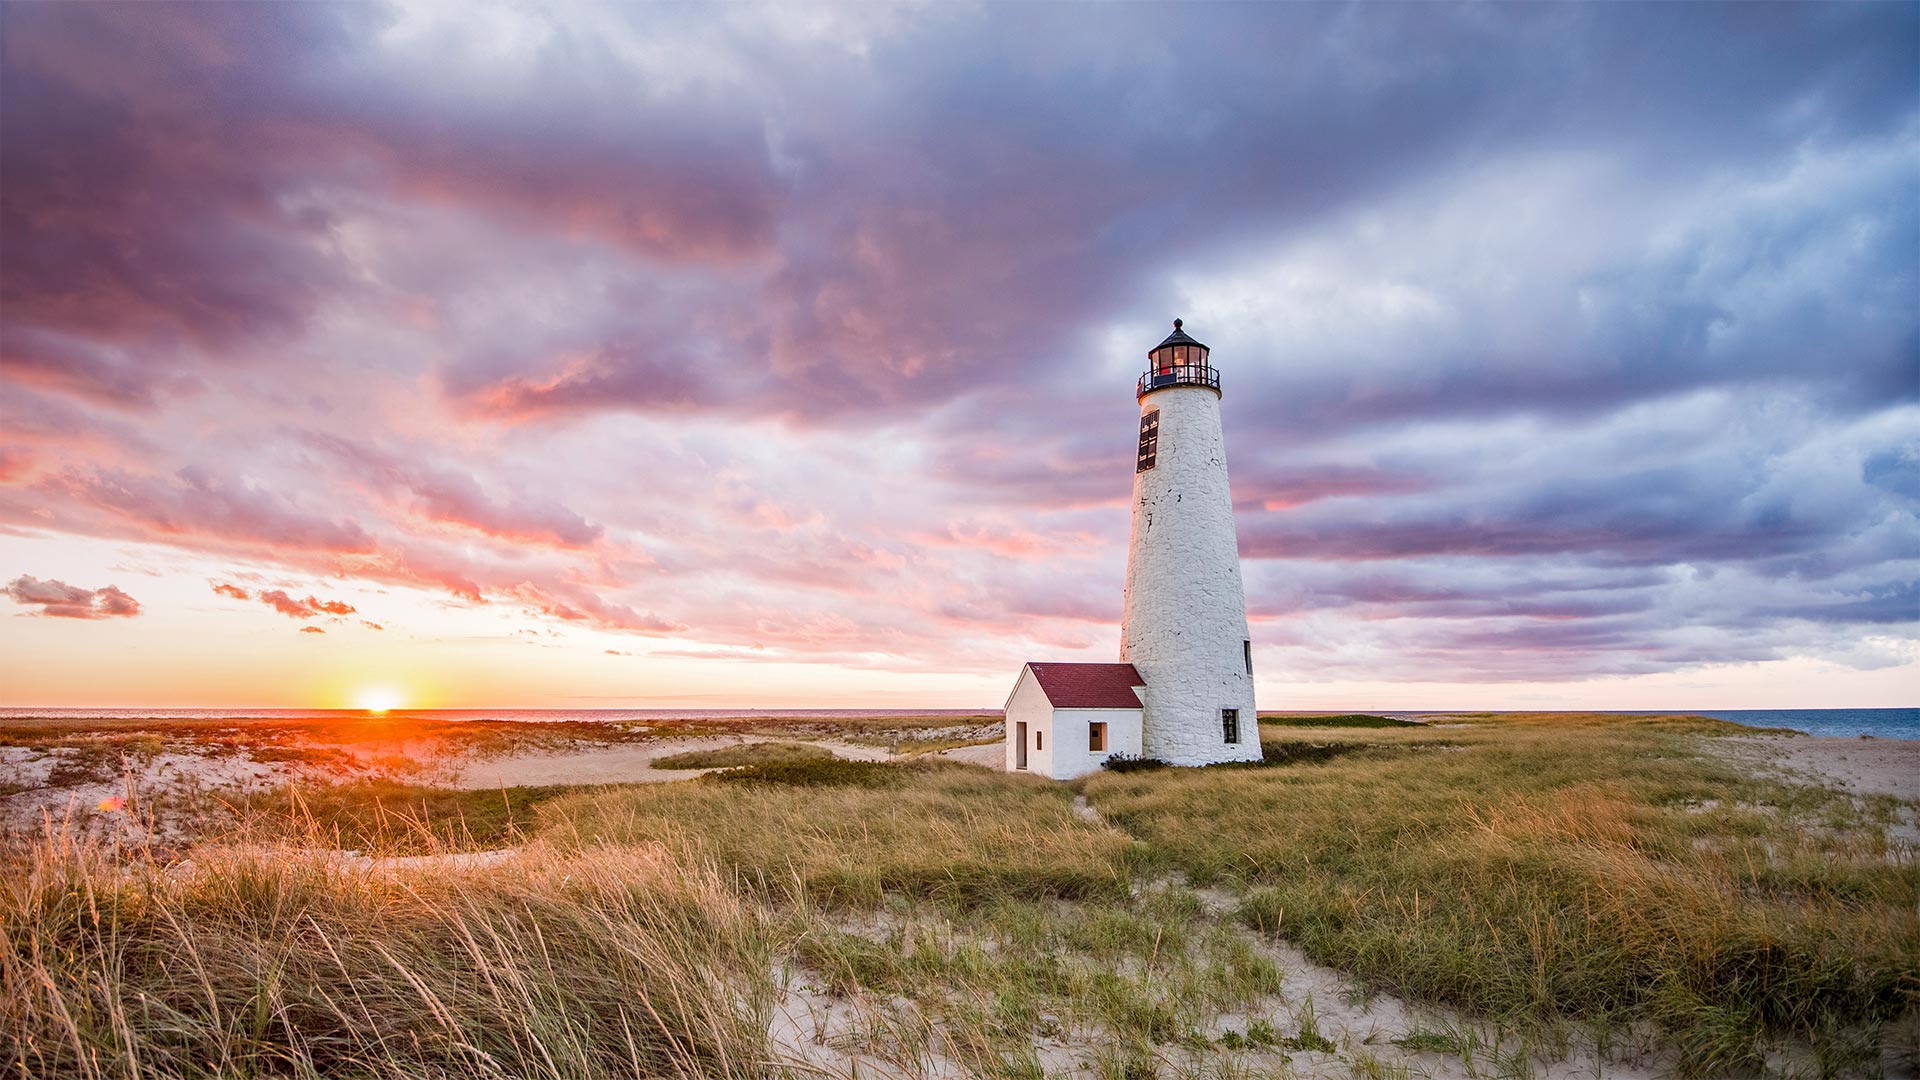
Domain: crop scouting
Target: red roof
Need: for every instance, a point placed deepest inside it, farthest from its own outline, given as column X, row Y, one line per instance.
column 1089, row 686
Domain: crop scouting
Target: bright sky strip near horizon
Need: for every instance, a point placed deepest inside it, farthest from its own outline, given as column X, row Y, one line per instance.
column 601, row 355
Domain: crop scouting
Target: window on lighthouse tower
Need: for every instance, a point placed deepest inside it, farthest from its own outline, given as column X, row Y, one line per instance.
column 1149, row 442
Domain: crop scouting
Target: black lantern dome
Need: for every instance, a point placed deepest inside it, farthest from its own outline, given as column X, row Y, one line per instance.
column 1178, row 337
column 1178, row 361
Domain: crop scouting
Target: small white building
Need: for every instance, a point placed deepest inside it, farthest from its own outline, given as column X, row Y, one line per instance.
column 1064, row 720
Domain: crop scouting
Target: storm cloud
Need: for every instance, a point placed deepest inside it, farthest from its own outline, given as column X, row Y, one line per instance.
column 1556, row 342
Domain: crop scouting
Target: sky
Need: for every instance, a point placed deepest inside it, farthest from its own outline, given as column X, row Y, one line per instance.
column 608, row 355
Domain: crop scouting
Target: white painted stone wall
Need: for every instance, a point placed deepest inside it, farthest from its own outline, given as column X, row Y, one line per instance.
column 1063, row 751
column 1185, row 621
column 1027, row 704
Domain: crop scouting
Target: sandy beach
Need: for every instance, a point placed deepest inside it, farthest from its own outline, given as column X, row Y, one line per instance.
column 1861, row 766
column 41, row 781
column 172, row 774
column 624, row 764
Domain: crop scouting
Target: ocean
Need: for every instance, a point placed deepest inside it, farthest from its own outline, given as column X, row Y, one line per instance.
column 1848, row 723
column 1880, row 723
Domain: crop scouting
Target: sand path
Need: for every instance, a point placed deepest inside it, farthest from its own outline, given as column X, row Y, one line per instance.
column 993, row 755
column 630, row 763
column 1857, row 766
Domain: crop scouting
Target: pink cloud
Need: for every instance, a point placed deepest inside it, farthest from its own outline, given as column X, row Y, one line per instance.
column 198, row 503
column 1010, row 541
column 59, row 600
column 280, row 601
column 452, row 497
column 1283, row 489
column 303, row 609
column 101, row 374
column 311, row 630
column 604, row 378
column 15, row 463
column 575, row 604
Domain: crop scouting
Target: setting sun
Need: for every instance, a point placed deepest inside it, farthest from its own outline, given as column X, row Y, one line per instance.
column 379, row 699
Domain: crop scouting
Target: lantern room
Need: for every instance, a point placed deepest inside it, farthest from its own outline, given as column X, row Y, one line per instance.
column 1178, row 361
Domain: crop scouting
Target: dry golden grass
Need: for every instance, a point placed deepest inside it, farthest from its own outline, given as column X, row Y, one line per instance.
column 947, row 831
column 265, row 961
column 1549, row 867
column 1540, row 871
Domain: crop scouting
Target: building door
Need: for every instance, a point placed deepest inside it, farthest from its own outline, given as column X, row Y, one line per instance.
column 1020, row 755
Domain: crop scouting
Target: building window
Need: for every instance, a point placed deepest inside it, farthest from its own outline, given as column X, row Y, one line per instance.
column 1230, row 725
column 1038, row 744
column 1096, row 737
column 1247, row 648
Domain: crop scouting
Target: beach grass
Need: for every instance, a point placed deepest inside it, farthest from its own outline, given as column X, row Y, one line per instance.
column 266, row 961
column 849, row 833
column 385, row 817
column 753, row 753
column 1556, row 868
column 1541, row 882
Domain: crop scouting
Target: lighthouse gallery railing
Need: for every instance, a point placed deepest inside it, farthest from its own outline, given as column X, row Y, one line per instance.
column 1183, row 375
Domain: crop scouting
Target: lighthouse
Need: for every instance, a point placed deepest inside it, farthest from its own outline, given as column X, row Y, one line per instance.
column 1182, row 692
column 1185, row 622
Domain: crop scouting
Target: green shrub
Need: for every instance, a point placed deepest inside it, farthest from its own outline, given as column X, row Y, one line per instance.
column 1299, row 753
column 1347, row 720
column 820, row 772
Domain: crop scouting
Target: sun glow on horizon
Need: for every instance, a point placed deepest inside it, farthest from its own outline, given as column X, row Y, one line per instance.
column 379, row 699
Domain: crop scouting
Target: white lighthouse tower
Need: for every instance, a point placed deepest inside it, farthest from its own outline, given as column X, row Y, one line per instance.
column 1185, row 622
column 1182, row 692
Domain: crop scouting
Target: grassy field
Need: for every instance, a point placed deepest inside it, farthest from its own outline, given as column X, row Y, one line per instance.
column 381, row 817
column 742, row 754
column 1568, row 868
column 1538, row 883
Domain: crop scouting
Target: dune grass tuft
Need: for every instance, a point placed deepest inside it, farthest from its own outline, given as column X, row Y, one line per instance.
column 820, row 772
column 752, row 753
column 264, row 960
column 384, row 817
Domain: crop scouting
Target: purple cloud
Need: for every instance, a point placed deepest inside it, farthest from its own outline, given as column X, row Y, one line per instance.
column 1556, row 342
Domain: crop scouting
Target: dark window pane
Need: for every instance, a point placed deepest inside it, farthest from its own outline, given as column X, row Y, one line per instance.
column 1149, row 442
